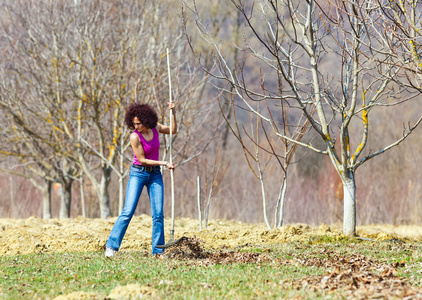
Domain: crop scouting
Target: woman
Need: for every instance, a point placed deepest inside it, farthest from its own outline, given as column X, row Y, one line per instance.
column 145, row 171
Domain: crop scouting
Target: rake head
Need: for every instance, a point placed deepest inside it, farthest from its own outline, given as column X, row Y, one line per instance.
column 172, row 243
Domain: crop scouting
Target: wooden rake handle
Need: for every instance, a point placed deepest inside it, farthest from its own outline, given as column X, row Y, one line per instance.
column 170, row 153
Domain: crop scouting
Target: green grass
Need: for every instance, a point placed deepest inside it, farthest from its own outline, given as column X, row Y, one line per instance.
column 47, row 275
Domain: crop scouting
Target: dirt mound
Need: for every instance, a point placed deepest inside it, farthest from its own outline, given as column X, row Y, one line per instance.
column 33, row 235
column 391, row 232
column 132, row 291
column 127, row 292
column 79, row 296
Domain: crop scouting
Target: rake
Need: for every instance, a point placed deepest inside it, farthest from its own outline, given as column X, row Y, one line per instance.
column 171, row 242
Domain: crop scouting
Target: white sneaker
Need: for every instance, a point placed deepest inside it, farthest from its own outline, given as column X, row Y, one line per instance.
column 110, row 252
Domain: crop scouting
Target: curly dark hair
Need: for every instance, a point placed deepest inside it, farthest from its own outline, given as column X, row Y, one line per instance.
column 146, row 115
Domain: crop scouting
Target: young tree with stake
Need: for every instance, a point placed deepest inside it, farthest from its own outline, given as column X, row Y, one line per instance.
column 332, row 57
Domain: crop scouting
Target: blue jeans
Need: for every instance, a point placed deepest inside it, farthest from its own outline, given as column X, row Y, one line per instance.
column 154, row 183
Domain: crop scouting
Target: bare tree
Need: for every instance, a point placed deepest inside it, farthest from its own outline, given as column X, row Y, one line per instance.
column 281, row 150
column 212, row 184
column 73, row 68
column 82, row 73
column 331, row 57
column 34, row 147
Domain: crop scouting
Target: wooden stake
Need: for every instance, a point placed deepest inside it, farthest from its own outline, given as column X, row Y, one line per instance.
column 198, row 184
column 170, row 153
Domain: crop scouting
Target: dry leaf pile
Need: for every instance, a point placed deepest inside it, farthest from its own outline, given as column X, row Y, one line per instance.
column 187, row 249
column 355, row 275
column 359, row 276
column 192, row 248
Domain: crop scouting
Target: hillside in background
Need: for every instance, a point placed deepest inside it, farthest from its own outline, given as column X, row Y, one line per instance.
column 388, row 187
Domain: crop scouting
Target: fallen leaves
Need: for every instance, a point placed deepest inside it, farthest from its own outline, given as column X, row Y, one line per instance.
column 360, row 277
column 192, row 249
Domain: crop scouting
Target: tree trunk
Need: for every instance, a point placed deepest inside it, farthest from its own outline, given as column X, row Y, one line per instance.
column 264, row 198
column 101, row 188
column 66, row 198
column 123, row 146
column 121, row 196
column 349, row 202
column 207, row 210
column 12, row 198
column 102, row 192
column 46, row 200
column 81, row 183
column 280, row 203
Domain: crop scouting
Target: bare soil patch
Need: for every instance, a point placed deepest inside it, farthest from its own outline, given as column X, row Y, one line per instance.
column 127, row 292
column 34, row 235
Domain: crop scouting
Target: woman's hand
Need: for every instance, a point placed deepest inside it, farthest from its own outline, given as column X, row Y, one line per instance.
column 164, row 128
column 171, row 105
column 170, row 166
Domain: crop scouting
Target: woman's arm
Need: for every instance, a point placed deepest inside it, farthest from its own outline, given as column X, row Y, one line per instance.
column 140, row 154
column 166, row 129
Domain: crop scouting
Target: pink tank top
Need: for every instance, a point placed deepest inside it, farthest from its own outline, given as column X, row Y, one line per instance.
column 151, row 148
